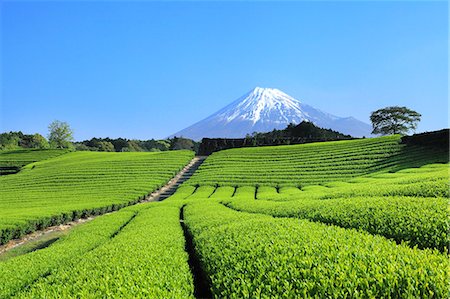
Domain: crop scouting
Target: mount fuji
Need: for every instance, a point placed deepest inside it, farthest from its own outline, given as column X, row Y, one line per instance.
column 265, row 109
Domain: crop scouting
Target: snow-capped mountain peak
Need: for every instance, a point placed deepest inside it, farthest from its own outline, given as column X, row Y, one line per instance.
column 260, row 103
column 265, row 109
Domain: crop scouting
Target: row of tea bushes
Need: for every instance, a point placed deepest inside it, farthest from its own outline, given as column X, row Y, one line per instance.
column 253, row 256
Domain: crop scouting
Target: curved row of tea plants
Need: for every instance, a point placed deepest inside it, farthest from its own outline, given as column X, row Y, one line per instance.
column 421, row 222
column 314, row 163
column 407, row 206
column 147, row 259
column 249, row 256
column 80, row 184
column 12, row 160
column 21, row 271
column 427, row 181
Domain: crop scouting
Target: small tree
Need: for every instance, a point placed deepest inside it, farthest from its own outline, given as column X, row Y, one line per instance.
column 394, row 120
column 60, row 135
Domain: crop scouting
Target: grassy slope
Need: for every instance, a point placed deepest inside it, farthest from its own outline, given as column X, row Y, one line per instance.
column 146, row 259
column 403, row 206
column 250, row 254
column 372, row 185
column 12, row 160
column 312, row 164
column 351, row 184
column 253, row 256
column 78, row 184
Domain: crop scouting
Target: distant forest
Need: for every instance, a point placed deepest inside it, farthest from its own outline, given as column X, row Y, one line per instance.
column 304, row 129
column 304, row 132
column 134, row 145
column 18, row 140
column 292, row 134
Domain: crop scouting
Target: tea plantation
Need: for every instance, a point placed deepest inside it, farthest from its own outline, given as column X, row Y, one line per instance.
column 312, row 164
column 364, row 218
column 12, row 160
column 80, row 184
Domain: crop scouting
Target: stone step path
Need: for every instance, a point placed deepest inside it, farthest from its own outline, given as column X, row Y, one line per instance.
column 172, row 186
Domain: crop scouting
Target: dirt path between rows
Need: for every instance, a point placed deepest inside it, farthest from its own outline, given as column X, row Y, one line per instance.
column 158, row 195
column 40, row 233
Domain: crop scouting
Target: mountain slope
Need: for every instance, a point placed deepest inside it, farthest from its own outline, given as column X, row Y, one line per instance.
column 265, row 109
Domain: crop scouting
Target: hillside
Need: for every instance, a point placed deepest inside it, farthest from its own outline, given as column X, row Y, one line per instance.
column 12, row 160
column 79, row 184
column 314, row 163
column 368, row 221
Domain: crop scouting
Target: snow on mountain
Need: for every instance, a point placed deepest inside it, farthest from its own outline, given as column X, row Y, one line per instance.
column 265, row 109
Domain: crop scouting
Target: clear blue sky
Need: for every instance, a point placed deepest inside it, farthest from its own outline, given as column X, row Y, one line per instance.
column 148, row 69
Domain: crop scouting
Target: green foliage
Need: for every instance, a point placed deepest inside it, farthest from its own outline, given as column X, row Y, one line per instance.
column 104, row 146
column 313, row 163
column 254, row 256
column 60, row 135
column 178, row 143
column 417, row 221
column 126, row 145
column 21, row 271
column 11, row 161
column 18, row 140
column 305, row 132
column 34, row 244
column 39, row 141
column 394, row 120
column 305, row 129
column 82, row 147
column 80, row 184
column 352, row 230
column 132, row 146
column 370, row 191
column 9, row 141
column 145, row 260
column 407, row 206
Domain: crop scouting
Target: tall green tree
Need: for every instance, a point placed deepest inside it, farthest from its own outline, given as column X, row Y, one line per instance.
column 60, row 135
column 394, row 120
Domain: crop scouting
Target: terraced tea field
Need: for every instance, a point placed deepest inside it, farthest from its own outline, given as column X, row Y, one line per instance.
column 80, row 184
column 312, row 164
column 353, row 219
column 137, row 252
column 11, row 161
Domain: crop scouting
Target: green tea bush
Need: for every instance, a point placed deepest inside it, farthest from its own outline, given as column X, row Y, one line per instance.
column 145, row 260
column 254, row 256
column 421, row 222
column 21, row 271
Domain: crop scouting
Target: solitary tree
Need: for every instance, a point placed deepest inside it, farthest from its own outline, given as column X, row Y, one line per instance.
column 60, row 135
column 394, row 120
